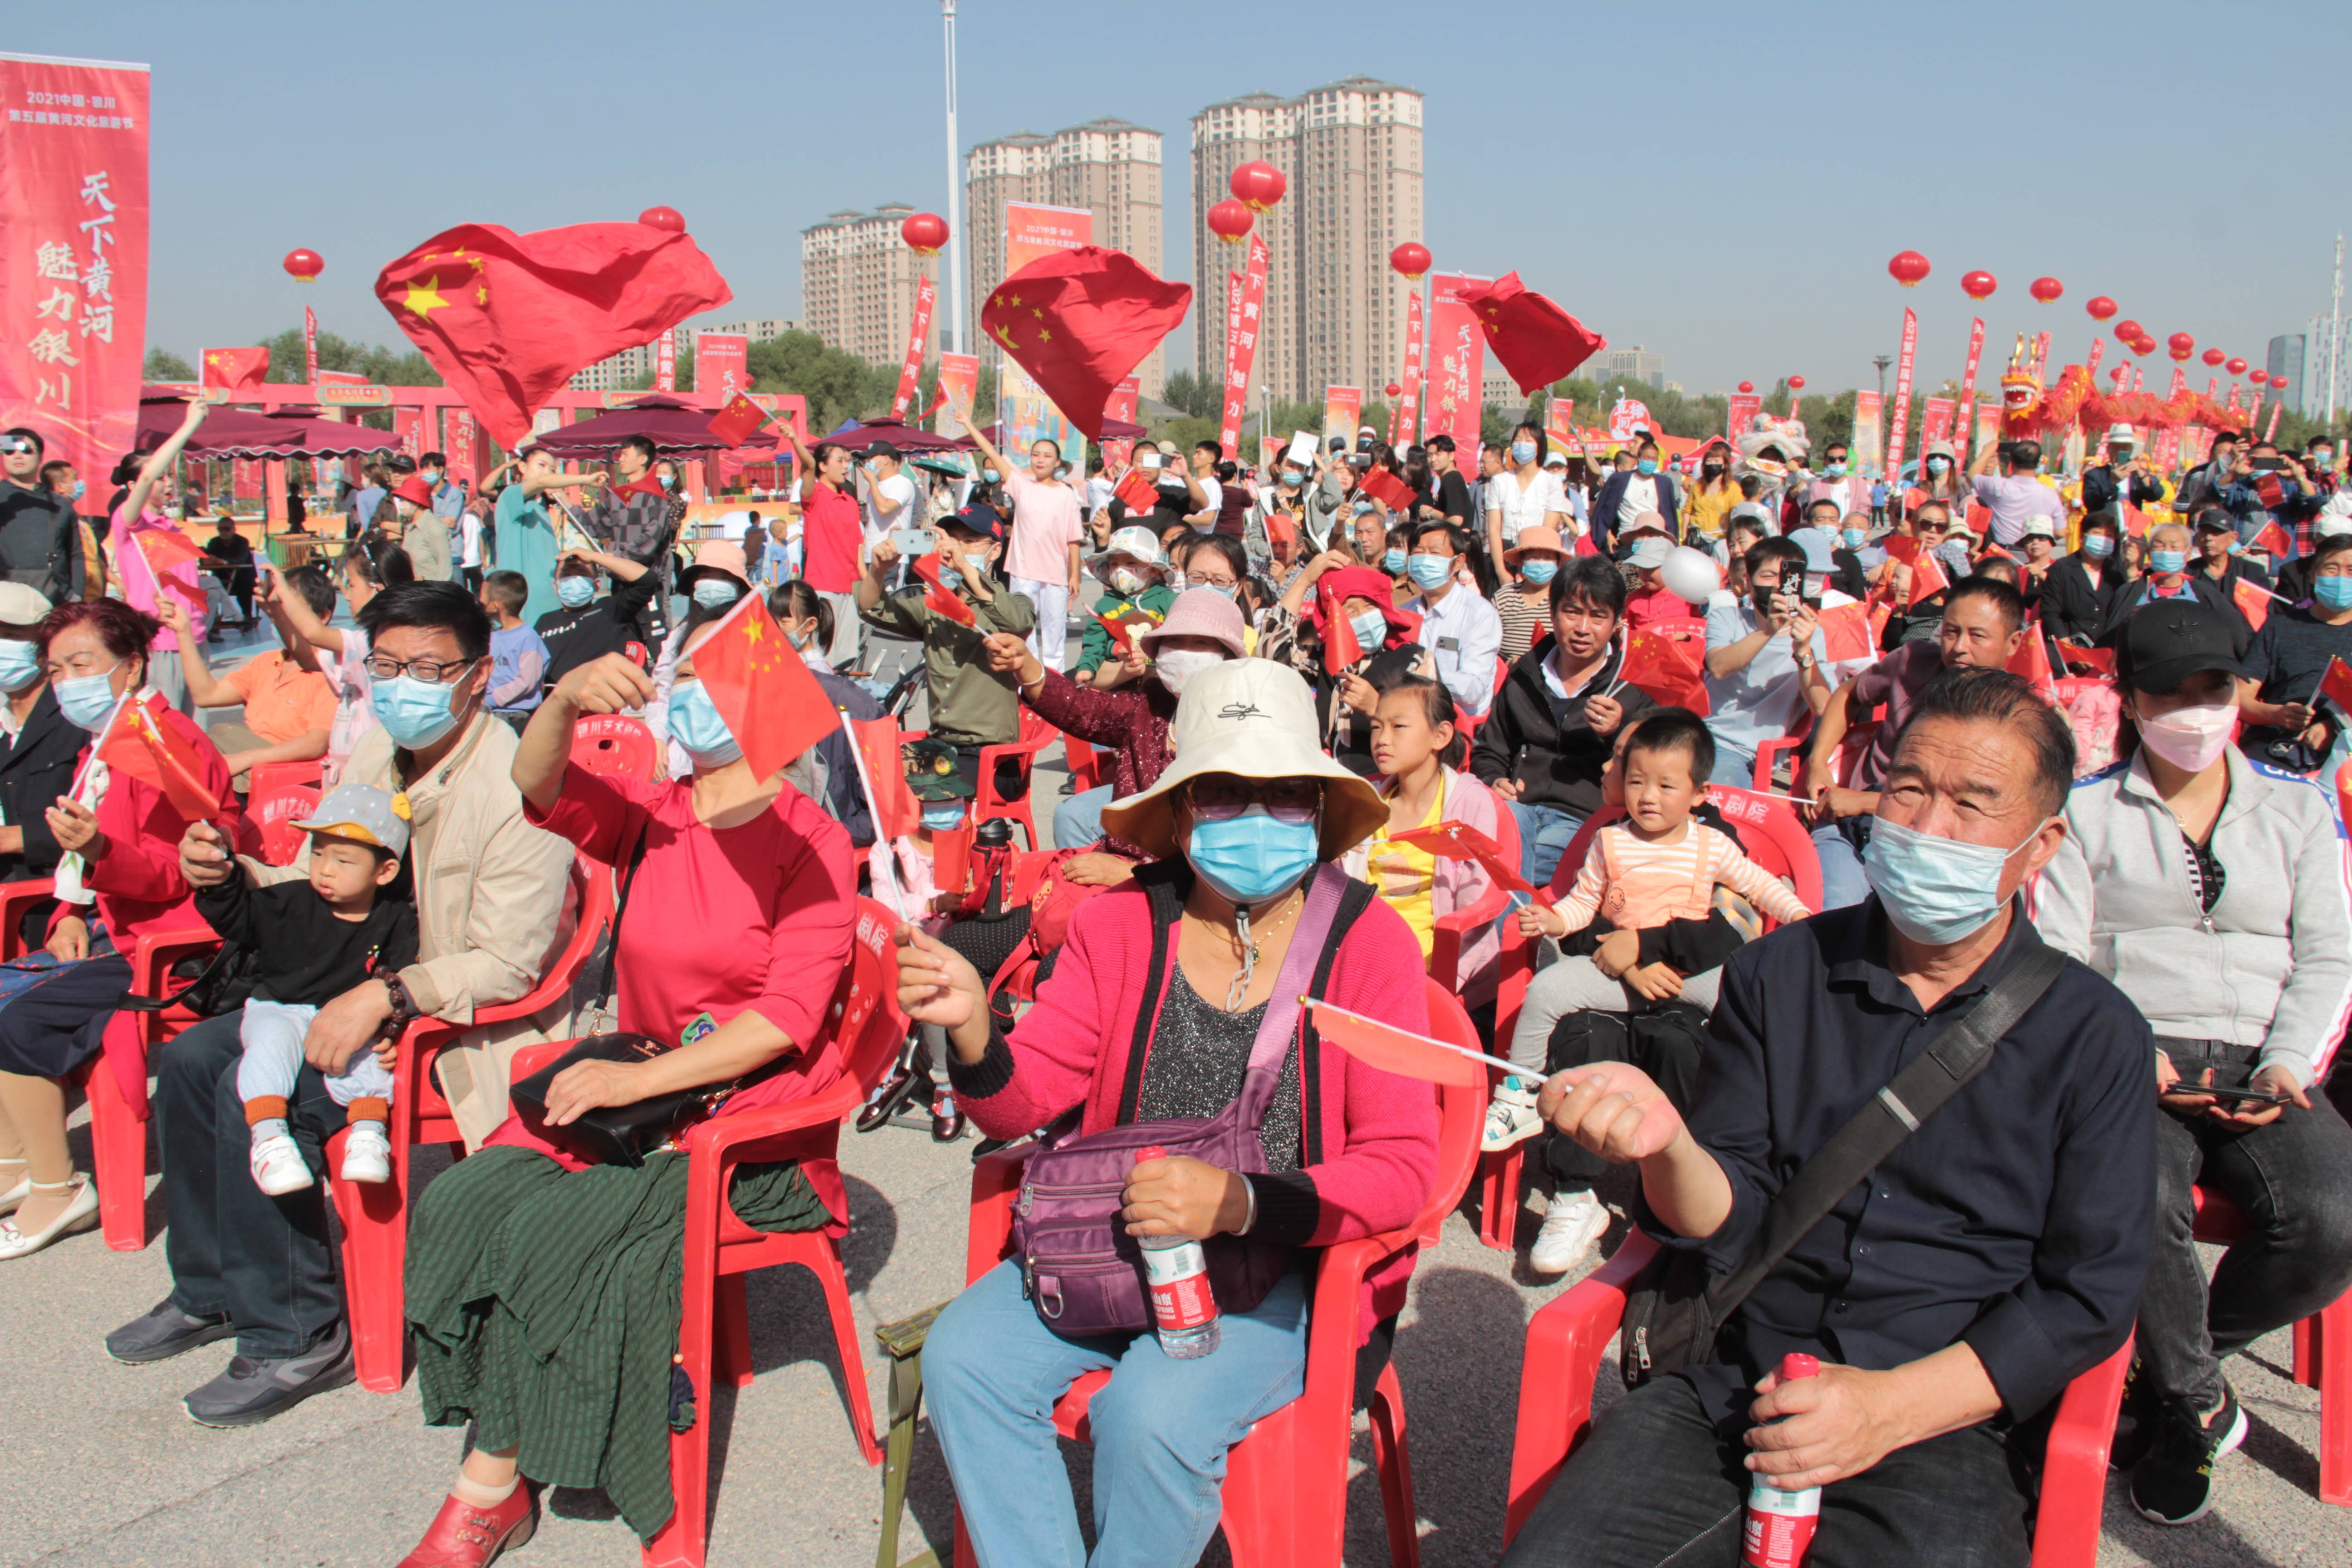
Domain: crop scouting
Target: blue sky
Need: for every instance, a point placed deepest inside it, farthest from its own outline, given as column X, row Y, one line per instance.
column 1723, row 184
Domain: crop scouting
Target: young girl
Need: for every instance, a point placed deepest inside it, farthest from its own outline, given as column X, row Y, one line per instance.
column 1415, row 746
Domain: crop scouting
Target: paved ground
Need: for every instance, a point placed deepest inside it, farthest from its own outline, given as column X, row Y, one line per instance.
column 121, row 1478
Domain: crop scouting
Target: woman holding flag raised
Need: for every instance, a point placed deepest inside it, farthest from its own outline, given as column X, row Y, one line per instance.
column 1175, row 1003
column 149, row 773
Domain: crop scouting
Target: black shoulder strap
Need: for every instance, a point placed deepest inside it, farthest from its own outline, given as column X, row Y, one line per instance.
column 1162, row 883
column 1961, row 1049
column 620, row 904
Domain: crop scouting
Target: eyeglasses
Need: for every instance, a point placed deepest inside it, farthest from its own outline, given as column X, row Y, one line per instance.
column 431, row 672
column 1219, row 797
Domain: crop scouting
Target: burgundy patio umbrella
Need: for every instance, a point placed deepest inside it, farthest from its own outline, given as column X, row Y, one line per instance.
column 677, row 428
column 1112, row 430
column 905, row 437
column 232, row 433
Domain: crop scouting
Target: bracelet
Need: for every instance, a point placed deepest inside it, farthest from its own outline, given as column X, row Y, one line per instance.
column 404, row 1008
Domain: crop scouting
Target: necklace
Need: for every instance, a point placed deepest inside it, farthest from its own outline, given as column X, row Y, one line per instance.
column 1246, row 947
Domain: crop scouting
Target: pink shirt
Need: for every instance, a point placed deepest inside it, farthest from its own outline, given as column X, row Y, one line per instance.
column 140, row 582
column 1045, row 523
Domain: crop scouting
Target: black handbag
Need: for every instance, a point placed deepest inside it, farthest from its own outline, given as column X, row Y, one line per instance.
column 221, row 984
column 1675, row 1307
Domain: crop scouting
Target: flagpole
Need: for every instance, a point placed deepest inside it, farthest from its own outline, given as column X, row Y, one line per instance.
column 955, row 278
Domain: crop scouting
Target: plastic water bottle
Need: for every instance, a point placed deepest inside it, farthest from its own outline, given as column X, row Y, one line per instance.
column 1780, row 1523
column 1182, row 1307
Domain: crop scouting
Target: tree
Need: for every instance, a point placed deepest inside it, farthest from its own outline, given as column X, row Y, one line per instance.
column 163, row 364
column 1194, row 396
column 381, row 365
column 838, row 384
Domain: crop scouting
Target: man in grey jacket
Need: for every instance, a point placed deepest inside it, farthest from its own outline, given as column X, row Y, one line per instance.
column 2210, row 889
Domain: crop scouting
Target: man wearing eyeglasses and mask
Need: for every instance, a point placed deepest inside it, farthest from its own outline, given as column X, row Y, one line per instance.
column 491, row 904
column 38, row 533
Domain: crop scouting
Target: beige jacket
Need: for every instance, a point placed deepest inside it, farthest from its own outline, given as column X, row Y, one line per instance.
column 492, row 907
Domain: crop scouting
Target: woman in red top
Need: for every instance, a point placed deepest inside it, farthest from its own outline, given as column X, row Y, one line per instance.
column 544, row 1293
column 833, row 536
column 126, row 835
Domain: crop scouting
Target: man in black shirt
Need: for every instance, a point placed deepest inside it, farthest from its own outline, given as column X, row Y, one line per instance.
column 1451, row 500
column 2285, row 724
column 1994, row 1256
column 2079, row 587
column 38, row 540
column 583, row 629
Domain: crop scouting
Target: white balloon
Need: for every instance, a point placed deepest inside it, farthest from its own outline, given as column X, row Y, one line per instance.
column 1690, row 574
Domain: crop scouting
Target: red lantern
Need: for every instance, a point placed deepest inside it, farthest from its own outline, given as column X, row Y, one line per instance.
column 1746, row 387
column 1411, row 260
column 663, row 217
column 1979, row 285
column 2274, row 380
column 1907, row 267
column 1229, row 221
column 2127, row 329
column 1796, row 383
column 2181, row 345
column 2101, row 308
column 2143, row 346
column 1258, row 186
column 2237, row 367
column 1393, row 389
column 303, row 264
column 2213, row 358
column 2045, row 289
column 924, row 233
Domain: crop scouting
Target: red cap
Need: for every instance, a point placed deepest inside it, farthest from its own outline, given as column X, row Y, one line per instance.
column 1797, row 1364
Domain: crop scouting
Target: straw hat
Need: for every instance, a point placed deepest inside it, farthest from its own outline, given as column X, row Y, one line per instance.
column 1256, row 720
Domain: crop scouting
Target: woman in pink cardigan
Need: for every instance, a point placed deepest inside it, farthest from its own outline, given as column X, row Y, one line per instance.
column 1151, row 1013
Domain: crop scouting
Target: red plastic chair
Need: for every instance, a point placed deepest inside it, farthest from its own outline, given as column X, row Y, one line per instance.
column 1286, row 1493
column 615, row 745
column 1567, row 1338
column 1085, row 764
column 1769, row 833
column 1850, row 750
column 714, row 1341
column 2323, row 1356
column 374, row 1215
column 275, row 811
column 1036, row 736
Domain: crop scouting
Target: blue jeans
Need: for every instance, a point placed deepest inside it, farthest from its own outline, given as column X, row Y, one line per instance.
column 1733, row 767
column 1078, row 821
column 1839, row 844
column 992, row 1371
column 1544, row 834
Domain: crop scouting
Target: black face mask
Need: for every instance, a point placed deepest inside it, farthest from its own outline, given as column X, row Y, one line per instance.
column 1711, row 471
column 1763, row 596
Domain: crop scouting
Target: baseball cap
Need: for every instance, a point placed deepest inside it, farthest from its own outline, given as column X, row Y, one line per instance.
column 1556, row 458
column 979, row 517
column 2039, row 527
column 400, row 463
column 363, row 813
column 882, row 450
column 1136, row 544
column 2166, row 642
column 2215, row 520
column 22, row 605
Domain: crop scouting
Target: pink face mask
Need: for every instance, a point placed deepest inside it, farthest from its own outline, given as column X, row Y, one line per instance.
column 2192, row 739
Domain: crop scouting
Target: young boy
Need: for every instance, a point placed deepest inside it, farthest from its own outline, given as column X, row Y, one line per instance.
column 313, row 939
column 518, row 655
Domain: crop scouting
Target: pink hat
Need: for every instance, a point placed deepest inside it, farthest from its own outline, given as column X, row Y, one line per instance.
column 1534, row 537
column 717, row 555
column 1201, row 613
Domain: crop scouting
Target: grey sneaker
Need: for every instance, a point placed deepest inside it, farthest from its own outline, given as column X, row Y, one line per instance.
column 163, row 1331
column 250, row 1391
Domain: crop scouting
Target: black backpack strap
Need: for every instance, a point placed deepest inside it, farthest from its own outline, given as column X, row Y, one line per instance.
column 1163, row 883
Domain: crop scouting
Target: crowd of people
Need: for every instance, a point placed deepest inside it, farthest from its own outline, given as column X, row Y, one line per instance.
column 2063, row 752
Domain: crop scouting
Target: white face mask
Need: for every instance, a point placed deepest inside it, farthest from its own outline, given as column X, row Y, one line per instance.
column 1178, row 666
column 2192, row 739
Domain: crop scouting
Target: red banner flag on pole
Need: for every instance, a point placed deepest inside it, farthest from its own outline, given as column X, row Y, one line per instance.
column 1408, row 410
column 146, row 745
column 2252, row 602
column 1665, row 668
column 1244, row 347
column 1969, row 391
column 1137, row 492
column 918, row 337
column 2335, row 685
column 2032, row 661
column 1078, row 321
column 1386, row 488
column 2101, row 659
column 1460, row 841
column 1341, row 647
column 897, row 813
column 309, row 346
column 2273, row 540
column 736, row 423
column 509, row 318
column 773, row 705
column 1899, row 425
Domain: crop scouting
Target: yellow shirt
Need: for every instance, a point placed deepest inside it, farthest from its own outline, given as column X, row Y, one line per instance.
column 1705, row 511
column 1405, row 875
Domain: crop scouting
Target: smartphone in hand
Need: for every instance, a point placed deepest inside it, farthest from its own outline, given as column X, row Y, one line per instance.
column 911, row 541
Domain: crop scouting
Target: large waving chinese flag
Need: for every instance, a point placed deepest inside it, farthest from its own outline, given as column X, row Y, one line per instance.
column 1079, row 321
column 1537, row 341
column 509, row 318
column 773, row 705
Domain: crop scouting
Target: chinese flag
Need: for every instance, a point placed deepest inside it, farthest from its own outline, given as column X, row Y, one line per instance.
column 1901, row 546
column 2101, row 659
column 2273, row 540
column 1668, row 670
column 1845, row 628
column 951, row 859
column 646, row 485
column 146, row 744
column 1341, row 647
column 167, row 549
column 1536, row 340
column 1386, row 488
column 2031, row 661
column 235, row 369
column 735, row 424
column 1079, row 321
column 509, row 318
column 2135, row 520
column 1459, row 841
column 772, row 703
column 2335, row 685
column 1137, row 492
column 1391, row 1049
column 896, row 810
column 1879, row 616
column 1927, row 579
column 2251, row 601
column 938, row 597
column 1126, row 627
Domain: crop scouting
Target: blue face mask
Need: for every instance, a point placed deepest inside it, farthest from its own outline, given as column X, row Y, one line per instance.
column 1223, row 590
column 1833, row 470
column 667, row 481
column 2334, row 593
column 2098, row 546
column 2169, row 560
column 1936, row 890
column 1252, row 857
column 413, row 712
column 1938, row 465
column 1853, row 537
column 950, row 578
column 573, row 592
column 1646, row 466
column 78, row 488
column 716, row 593
column 1293, row 476
column 1523, row 451
column 695, row 724
column 1363, row 508
column 20, row 661
column 941, row 815
column 1429, row 570
column 85, row 699
column 1372, row 628
column 1539, row 572
column 1392, row 562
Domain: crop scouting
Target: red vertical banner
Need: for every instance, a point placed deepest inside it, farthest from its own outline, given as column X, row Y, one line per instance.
column 1968, row 389
column 666, row 362
column 273, row 493
column 1935, row 421
column 1407, row 426
column 1457, row 355
column 1232, row 319
column 408, row 429
column 309, row 346
column 2098, row 350
column 2212, row 388
column 960, row 379
column 459, row 445
column 73, row 273
column 1900, row 426
column 1740, row 410
column 722, row 364
column 2042, row 356
column 2168, row 446
column 1343, row 410
column 1560, row 426
column 245, row 478
column 1869, row 456
column 910, row 369
column 2270, row 431
column 1245, row 330
column 1121, row 407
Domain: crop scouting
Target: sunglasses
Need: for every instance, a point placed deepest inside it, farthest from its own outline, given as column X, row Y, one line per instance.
column 1219, row 797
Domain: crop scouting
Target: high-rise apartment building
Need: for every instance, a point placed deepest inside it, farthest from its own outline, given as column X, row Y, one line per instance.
column 1636, row 363
column 1108, row 166
column 2287, row 358
column 857, row 282
column 1334, row 311
column 759, row 331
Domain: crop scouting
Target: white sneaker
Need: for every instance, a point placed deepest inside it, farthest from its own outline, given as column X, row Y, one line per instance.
column 278, row 1165
column 367, row 1153
column 1573, row 1223
column 1511, row 1116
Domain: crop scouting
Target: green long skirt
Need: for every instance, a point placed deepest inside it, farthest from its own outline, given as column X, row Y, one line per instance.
column 546, row 1307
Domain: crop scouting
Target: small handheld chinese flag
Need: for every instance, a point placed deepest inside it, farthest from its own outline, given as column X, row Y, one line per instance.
column 1882, row 613
column 773, row 705
column 1137, row 492
column 2135, row 520
column 1845, row 631
column 148, row 748
column 2273, row 540
column 895, row 811
column 1079, row 321
column 2335, row 685
column 2031, row 661
column 1666, row 670
column 736, row 423
column 2101, row 659
column 2252, row 602
column 1386, row 489
column 1341, row 647
column 1536, row 340
column 1400, row 1051
column 1901, row 546
column 235, row 369
column 1927, row 579
column 1459, row 841
column 938, row 597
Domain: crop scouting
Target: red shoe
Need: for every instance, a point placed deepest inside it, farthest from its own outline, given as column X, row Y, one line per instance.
column 463, row 1536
